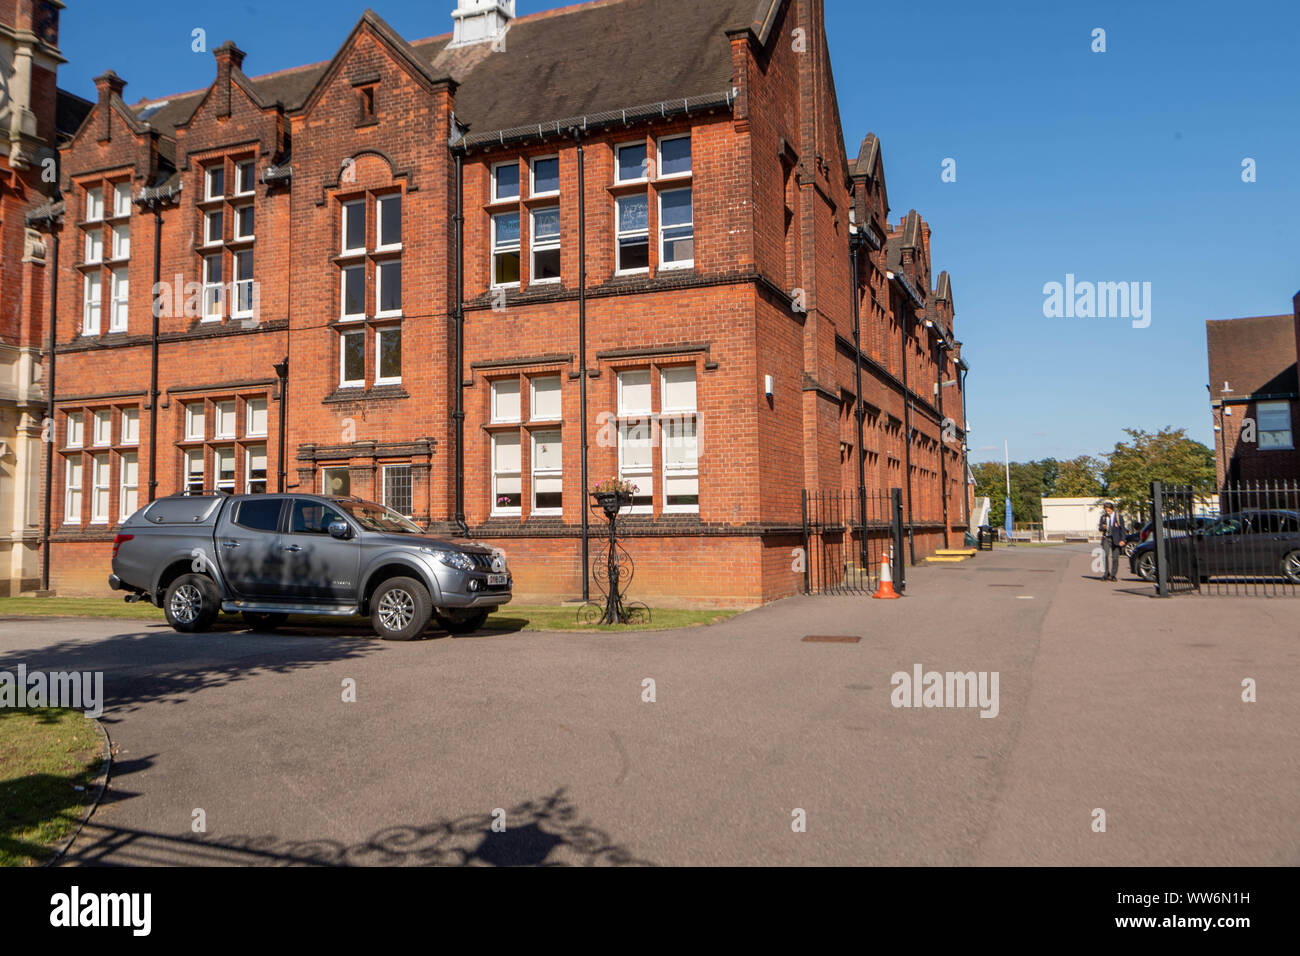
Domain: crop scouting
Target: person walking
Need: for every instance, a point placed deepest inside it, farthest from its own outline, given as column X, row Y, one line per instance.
column 1113, row 536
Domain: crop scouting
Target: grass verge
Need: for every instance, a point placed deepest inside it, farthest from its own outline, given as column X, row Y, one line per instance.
column 45, row 755
column 513, row 617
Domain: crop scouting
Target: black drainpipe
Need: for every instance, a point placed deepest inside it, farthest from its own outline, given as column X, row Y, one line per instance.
column 855, row 243
column 282, row 373
column 582, row 353
column 49, row 405
column 458, row 416
column 943, row 450
column 965, row 451
column 907, row 445
column 153, row 349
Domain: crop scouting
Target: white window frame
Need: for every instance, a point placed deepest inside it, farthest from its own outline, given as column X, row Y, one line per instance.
column 248, row 469
column 532, row 397
column 209, row 215
column 94, row 251
column 379, row 223
column 545, row 473
column 250, row 181
column 119, row 299
column 213, row 292
column 497, row 249
column 344, row 315
column 345, row 216
column 75, row 429
column 682, row 471
column 532, row 176
column 250, row 428
column 95, row 204
column 101, row 432
column 681, row 263
column 379, row 289
column 73, row 464
column 227, row 485
column 1284, row 408
column 237, row 284
column 380, row 333
column 195, row 414
column 192, row 455
column 208, row 177
column 121, row 199
column 92, row 304
column 618, row 148
column 120, row 241
column 223, row 409
column 128, row 489
column 535, row 247
column 99, row 515
column 497, row 475
column 234, row 223
column 659, row 157
column 496, row 196
column 631, row 234
column 345, row 382
column 493, row 417
column 410, row 475
column 642, row 476
column 129, row 436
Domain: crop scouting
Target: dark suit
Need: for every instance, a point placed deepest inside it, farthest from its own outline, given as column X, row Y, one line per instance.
column 1113, row 536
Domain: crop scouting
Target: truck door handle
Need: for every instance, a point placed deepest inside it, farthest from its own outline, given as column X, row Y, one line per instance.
column 230, row 544
column 293, row 547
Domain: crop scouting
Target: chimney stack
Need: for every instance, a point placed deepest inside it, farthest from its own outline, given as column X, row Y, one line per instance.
column 229, row 57
column 108, row 84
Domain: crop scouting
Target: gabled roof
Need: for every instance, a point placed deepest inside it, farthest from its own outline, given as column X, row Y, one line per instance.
column 577, row 60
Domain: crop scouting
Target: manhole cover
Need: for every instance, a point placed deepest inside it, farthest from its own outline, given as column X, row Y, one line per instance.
column 1006, row 585
column 832, row 638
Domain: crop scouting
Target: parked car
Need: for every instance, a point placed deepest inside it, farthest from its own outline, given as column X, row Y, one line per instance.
column 1263, row 543
column 269, row 556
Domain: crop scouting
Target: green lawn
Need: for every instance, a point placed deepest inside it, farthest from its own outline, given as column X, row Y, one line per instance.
column 44, row 756
column 514, row 617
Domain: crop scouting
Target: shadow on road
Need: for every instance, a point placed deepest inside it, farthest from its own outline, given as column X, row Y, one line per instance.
column 546, row 831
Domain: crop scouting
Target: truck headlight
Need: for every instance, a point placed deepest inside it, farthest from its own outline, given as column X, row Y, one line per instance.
column 453, row 559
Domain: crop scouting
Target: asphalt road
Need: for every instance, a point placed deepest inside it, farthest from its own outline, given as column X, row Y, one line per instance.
column 1107, row 699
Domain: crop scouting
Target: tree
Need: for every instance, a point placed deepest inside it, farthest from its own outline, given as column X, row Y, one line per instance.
column 1168, row 456
column 1029, row 483
column 1080, row 478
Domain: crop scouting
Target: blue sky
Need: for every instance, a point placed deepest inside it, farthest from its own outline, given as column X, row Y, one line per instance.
column 1122, row 166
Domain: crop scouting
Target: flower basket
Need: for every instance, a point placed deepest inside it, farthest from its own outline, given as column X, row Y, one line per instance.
column 612, row 501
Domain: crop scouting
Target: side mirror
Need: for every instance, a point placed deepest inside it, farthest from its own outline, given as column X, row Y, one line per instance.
column 340, row 530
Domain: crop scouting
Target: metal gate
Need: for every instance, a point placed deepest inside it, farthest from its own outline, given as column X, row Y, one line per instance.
column 1242, row 539
column 845, row 535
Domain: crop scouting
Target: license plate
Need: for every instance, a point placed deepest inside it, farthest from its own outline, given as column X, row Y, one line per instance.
column 495, row 579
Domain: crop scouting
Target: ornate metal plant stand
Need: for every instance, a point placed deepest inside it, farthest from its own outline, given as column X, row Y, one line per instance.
column 612, row 570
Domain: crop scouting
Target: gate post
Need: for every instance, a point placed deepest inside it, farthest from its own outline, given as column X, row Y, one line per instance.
column 898, row 564
column 1158, row 531
column 806, row 584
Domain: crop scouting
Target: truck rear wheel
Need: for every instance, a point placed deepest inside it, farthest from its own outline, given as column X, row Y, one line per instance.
column 400, row 609
column 192, row 603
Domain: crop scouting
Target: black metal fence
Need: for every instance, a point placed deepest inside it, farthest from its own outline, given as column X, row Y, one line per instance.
column 845, row 535
column 1242, row 539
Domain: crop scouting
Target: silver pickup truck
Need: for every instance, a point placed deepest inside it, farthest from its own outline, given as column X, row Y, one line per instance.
column 269, row 556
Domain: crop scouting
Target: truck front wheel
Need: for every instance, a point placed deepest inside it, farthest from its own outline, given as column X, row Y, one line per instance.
column 400, row 609
column 192, row 603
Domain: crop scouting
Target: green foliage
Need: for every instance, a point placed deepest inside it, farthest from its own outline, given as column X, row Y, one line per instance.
column 1080, row 478
column 1168, row 456
column 1030, row 481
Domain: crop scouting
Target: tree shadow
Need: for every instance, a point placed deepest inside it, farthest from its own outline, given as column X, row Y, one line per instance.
column 544, row 831
column 142, row 667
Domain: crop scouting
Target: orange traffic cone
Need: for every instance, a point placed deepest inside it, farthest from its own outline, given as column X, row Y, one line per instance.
column 886, row 589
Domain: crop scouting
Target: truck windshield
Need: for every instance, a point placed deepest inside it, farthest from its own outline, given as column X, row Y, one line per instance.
column 375, row 517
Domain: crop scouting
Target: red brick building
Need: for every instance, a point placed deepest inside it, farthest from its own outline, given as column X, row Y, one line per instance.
column 1255, row 396
column 426, row 264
